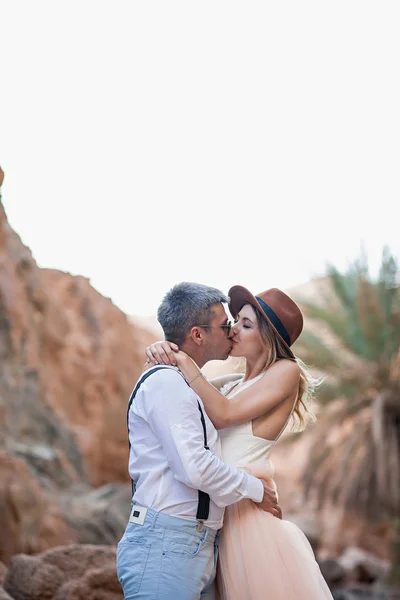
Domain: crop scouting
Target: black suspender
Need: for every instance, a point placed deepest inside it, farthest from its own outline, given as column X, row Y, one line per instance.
column 203, row 507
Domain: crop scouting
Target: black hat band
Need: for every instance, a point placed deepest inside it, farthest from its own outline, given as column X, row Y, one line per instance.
column 275, row 320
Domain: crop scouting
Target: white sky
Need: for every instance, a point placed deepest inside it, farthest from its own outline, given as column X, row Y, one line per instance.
column 146, row 143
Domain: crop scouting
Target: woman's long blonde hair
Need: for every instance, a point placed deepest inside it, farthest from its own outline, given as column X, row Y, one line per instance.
column 307, row 384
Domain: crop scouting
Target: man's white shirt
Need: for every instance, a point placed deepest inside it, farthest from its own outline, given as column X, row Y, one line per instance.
column 168, row 461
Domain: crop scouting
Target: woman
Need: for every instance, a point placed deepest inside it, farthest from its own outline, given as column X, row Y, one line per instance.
column 260, row 556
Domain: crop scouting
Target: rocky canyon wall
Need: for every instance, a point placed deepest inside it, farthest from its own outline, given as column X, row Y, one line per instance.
column 68, row 361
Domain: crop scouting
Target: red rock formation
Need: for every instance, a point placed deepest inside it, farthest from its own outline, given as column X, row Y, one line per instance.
column 72, row 354
column 69, row 359
column 29, row 521
column 90, row 361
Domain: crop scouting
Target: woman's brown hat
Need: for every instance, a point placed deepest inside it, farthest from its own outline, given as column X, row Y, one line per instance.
column 281, row 312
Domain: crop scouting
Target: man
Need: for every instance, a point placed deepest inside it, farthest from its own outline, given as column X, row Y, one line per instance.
column 170, row 546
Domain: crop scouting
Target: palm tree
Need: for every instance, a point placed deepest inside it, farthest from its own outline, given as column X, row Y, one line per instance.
column 355, row 459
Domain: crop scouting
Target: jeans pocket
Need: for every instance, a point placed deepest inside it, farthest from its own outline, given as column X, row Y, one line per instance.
column 182, row 546
column 132, row 558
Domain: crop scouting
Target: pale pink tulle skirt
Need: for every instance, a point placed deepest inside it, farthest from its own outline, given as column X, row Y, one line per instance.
column 264, row 558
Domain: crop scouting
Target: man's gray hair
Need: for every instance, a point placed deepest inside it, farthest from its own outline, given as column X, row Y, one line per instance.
column 185, row 306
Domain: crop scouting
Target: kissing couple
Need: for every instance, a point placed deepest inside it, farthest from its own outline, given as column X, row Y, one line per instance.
column 205, row 520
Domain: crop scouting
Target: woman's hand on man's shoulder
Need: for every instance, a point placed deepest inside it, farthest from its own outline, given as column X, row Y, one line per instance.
column 162, row 353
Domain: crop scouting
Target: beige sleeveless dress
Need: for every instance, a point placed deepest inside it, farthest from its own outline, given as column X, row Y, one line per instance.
column 260, row 556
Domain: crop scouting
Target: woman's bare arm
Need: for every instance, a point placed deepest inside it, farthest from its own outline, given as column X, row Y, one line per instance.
column 278, row 383
column 165, row 353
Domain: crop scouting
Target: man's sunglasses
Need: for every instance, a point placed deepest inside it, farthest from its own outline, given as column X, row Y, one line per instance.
column 226, row 327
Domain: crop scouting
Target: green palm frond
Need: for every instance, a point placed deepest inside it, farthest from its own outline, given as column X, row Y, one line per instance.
column 387, row 290
column 343, row 286
column 351, row 468
column 336, row 321
column 363, row 315
column 358, row 467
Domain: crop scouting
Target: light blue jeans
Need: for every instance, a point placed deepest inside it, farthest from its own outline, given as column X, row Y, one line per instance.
column 166, row 558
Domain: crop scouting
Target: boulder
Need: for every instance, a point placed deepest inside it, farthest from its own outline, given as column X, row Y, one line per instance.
column 332, row 571
column 366, row 592
column 362, row 566
column 96, row 584
column 29, row 578
column 355, row 566
column 75, row 560
column 74, row 572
